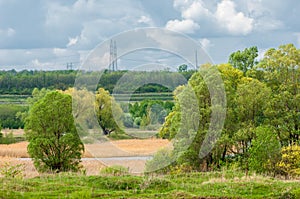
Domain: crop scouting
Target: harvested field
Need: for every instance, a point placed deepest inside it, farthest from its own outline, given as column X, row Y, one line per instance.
column 12, row 153
column 91, row 167
column 129, row 147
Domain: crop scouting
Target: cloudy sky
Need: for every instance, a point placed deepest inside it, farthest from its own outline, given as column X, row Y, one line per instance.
column 48, row 34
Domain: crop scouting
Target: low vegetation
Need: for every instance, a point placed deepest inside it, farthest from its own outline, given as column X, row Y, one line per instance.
column 226, row 184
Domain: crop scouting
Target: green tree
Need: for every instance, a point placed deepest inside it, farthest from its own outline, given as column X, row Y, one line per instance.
column 244, row 60
column 182, row 68
column 251, row 100
column 108, row 112
column 36, row 95
column 265, row 150
column 282, row 75
column 54, row 144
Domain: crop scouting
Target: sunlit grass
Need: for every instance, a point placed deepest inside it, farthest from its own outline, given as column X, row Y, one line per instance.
column 226, row 184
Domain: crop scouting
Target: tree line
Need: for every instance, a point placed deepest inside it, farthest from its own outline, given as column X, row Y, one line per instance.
column 23, row 82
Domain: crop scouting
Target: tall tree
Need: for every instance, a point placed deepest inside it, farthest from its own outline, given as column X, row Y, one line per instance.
column 108, row 112
column 54, row 143
column 244, row 60
column 282, row 75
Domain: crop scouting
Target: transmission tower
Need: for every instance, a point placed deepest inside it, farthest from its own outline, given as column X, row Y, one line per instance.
column 70, row 66
column 113, row 61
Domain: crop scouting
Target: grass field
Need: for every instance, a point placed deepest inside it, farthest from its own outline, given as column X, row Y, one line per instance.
column 165, row 96
column 227, row 184
column 135, row 97
column 13, row 99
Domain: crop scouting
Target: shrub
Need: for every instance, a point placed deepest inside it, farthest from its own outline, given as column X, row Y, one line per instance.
column 115, row 170
column 7, row 138
column 290, row 161
column 12, row 171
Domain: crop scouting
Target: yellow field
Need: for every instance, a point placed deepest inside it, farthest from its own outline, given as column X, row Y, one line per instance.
column 10, row 154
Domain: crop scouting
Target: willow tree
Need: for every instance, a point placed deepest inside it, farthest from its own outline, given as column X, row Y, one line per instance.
column 108, row 112
column 54, row 144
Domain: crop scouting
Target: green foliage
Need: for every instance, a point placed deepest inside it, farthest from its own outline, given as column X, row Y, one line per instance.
column 289, row 164
column 8, row 116
column 149, row 113
column 182, row 68
column 12, row 171
column 244, row 60
column 282, row 75
column 225, row 184
column 54, row 143
column 8, row 138
column 115, row 170
column 82, row 194
column 265, row 150
column 128, row 120
column 160, row 162
column 24, row 82
column 108, row 112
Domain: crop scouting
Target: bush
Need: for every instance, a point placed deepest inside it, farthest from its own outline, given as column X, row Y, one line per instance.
column 115, row 170
column 128, row 120
column 265, row 150
column 290, row 161
column 7, row 138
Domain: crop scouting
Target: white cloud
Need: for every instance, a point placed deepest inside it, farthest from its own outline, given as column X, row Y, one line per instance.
column 235, row 22
column 59, row 51
column 196, row 11
column 36, row 64
column 72, row 41
column 265, row 20
column 145, row 20
column 94, row 21
column 182, row 4
column 223, row 16
column 184, row 26
column 9, row 32
column 261, row 53
column 206, row 43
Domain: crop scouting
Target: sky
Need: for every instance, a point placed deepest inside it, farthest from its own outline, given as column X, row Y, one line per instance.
column 50, row 34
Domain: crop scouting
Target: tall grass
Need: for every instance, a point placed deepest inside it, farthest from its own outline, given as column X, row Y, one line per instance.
column 225, row 184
